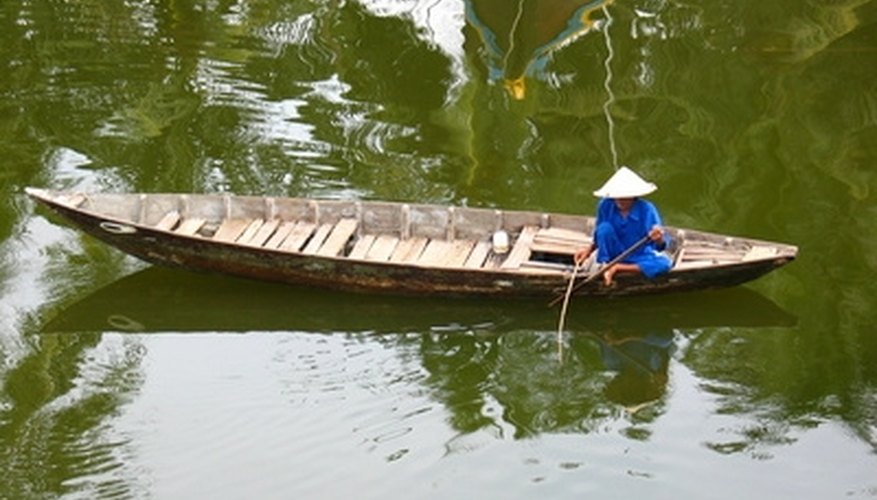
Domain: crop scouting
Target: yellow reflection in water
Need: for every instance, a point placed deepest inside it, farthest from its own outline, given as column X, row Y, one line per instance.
column 521, row 35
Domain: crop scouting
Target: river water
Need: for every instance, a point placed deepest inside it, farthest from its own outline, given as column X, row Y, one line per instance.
column 120, row 380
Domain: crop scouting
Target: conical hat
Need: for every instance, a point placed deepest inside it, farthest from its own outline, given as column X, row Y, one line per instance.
column 625, row 184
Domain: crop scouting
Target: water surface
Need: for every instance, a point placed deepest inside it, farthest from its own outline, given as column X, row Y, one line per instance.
column 122, row 380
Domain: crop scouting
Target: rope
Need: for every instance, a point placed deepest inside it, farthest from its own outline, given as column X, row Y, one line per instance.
column 607, row 85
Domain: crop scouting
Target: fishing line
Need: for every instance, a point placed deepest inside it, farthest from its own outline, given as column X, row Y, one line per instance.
column 607, row 85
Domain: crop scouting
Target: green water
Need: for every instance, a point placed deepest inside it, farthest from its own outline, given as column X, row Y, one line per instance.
column 754, row 118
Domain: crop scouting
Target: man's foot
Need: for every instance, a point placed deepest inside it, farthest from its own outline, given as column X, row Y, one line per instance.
column 609, row 275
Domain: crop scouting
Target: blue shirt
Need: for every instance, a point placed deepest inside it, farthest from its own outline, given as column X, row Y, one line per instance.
column 643, row 215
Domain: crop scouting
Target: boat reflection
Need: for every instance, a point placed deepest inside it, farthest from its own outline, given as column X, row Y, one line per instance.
column 520, row 36
column 157, row 299
column 490, row 363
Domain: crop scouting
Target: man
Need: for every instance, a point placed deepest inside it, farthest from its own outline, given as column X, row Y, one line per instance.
column 623, row 218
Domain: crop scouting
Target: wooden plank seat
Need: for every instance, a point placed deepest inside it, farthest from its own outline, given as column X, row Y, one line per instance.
column 478, row 256
column 459, row 251
column 521, row 251
column 317, row 238
column 559, row 241
column 169, row 221
column 361, row 247
column 337, row 239
column 264, row 233
column 561, row 235
column 297, row 236
column 279, row 235
column 231, row 229
column 190, row 226
column 382, row 248
column 250, row 231
column 435, row 252
column 409, row 250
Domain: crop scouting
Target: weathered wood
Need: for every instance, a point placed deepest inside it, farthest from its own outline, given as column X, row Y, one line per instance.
column 382, row 248
column 553, row 266
column 231, row 229
column 74, row 200
column 462, row 266
column 317, row 239
column 693, row 264
column 435, row 252
column 556, row 233
column 169, row 221
column 190, row 226
column 251, row 231
column 279, row 236
column 262, row 235
column 689, row 255
column 409, row 250
column 457, row 254
column 563, row 249
column 478, row 255
column 521, row 251
column 339, row 236
column 297, row 237
column 360, row 248
column 760, row 252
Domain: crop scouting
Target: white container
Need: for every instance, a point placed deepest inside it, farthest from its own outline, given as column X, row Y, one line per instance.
column 500, row 242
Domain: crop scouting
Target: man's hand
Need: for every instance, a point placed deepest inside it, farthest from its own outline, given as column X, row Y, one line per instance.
column 583, row 254
column 656, row 234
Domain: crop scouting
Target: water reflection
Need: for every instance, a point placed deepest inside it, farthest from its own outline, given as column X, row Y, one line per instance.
column 58, row 403
column 490, row 363
column 158, row 299
column 640, row 364
column 520, row 36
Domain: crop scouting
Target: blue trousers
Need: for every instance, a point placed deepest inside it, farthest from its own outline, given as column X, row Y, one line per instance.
column 650, row 262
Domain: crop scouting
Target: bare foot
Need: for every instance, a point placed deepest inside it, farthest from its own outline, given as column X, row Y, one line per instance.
column 609, row 275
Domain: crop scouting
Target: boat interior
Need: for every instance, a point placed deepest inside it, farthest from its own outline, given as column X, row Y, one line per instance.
column 425, row 235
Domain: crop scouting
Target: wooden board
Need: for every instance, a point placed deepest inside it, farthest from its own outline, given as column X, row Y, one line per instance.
column 169, row 221
column 693, row 264
column 262, row 235
column 297, row 237
column 456, row 256
column 251, row 230
column 409, row 250
column 277, row 238
column 557, row 234
column 382, row 248
column 521, row 251
column 190, row 226
column 435, row 253
column 73, row 200
column 563, row 249
column 691, row 255
column 231, row 229
column 760, row 252
column 317, row 239
column 478, row 255
column 342, row 232
column 360, row 248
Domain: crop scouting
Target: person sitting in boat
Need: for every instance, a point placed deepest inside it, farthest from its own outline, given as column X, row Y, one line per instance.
column 623, row 219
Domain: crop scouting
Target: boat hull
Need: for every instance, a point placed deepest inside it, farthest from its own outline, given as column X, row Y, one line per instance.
column 338, row 272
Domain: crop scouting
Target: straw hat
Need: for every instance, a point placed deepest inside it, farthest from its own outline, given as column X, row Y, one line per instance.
column 625, row 184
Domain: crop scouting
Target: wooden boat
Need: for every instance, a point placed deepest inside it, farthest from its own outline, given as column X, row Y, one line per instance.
column 404, row 248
